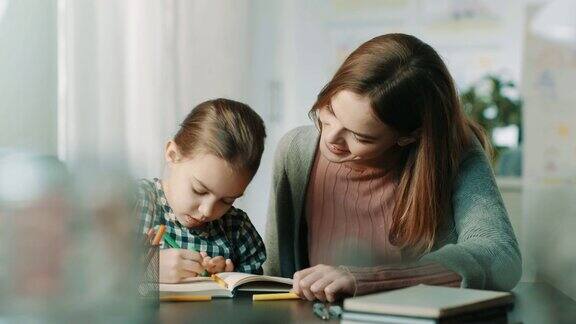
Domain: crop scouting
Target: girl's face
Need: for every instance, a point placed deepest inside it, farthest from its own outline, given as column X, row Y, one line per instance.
column 202, row 188
column 352, row 133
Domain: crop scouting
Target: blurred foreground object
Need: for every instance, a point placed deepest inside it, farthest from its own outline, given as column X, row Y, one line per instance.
column 67, row 249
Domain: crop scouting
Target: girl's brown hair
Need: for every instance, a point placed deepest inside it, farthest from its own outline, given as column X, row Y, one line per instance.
column 227, row 129
column 411, row 90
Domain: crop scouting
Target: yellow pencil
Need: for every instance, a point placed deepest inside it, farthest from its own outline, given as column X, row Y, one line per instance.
column 184, row 298
column 159, row 234
column 280, row 296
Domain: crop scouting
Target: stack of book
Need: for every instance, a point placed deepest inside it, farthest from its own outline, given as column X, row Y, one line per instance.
column 429, row 304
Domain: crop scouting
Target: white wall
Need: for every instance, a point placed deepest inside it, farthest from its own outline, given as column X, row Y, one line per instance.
column 297, row 45
column 28, row 76
column 474, row 37
column 264, row 94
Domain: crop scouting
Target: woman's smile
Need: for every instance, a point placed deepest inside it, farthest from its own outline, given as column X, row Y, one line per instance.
column 338, row 150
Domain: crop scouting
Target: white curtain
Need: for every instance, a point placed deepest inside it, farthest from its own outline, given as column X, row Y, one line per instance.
column 129, row 71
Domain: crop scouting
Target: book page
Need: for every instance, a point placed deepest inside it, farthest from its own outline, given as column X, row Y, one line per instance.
column 234, row 279
column 196, row 279
column 191, row 287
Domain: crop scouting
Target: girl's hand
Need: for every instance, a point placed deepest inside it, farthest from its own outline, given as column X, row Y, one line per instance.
column 323, row 282
column 177, row 265
column 216, row 264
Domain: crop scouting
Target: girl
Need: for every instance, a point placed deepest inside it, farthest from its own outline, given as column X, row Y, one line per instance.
column 210, row 162
column 395, row 181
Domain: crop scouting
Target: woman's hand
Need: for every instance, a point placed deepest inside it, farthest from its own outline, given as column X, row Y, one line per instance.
column 216, row 264
column 178, row 264
column 323, row 282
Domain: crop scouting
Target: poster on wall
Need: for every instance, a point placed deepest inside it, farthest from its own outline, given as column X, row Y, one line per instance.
column 549, row 78
column 549, row 204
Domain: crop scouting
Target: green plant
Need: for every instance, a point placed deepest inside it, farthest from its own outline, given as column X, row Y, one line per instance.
column 493, row 102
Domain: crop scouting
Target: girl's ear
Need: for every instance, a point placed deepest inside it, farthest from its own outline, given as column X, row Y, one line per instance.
column 172, row 154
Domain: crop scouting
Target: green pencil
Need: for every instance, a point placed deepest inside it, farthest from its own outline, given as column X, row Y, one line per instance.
column 171, row 242
column 174, row 245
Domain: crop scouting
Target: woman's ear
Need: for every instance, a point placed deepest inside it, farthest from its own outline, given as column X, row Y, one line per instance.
column 407, row 140
column 404, row 141
column 172, row 154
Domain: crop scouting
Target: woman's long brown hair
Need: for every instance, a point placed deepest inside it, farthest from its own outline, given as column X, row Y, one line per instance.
column 411, row 90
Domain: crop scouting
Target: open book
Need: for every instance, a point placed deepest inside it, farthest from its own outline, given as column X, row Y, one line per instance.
column 225, row 284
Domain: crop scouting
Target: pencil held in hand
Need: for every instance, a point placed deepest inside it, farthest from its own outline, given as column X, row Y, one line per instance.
column 159, row 235
column 170, row 241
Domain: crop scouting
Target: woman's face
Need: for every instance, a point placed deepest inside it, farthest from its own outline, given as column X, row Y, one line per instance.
column 352, row 133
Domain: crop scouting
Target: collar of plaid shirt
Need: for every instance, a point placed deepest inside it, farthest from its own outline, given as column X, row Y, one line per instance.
column 232, row 236
column 173, row 225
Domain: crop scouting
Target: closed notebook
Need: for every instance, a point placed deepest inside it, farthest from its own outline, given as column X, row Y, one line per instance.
column 425, row 301
column 225, row 284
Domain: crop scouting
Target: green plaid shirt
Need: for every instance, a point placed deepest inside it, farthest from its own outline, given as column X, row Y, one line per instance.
column 232, row 236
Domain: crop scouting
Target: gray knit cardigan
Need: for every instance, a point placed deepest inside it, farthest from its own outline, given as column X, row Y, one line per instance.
column 477, row 242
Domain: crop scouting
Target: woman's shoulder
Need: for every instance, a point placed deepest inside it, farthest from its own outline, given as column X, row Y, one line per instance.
column 303, row 132
column 295, row 137
column 298, row 143
column 475, row 176
column 474, row 156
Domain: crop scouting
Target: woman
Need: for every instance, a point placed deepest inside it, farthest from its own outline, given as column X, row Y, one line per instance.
column 393, row 188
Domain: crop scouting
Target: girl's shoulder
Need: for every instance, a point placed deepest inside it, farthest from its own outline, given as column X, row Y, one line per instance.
column 147, row 205
column 235, row 215
column 147, row 190
column 236, row 219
